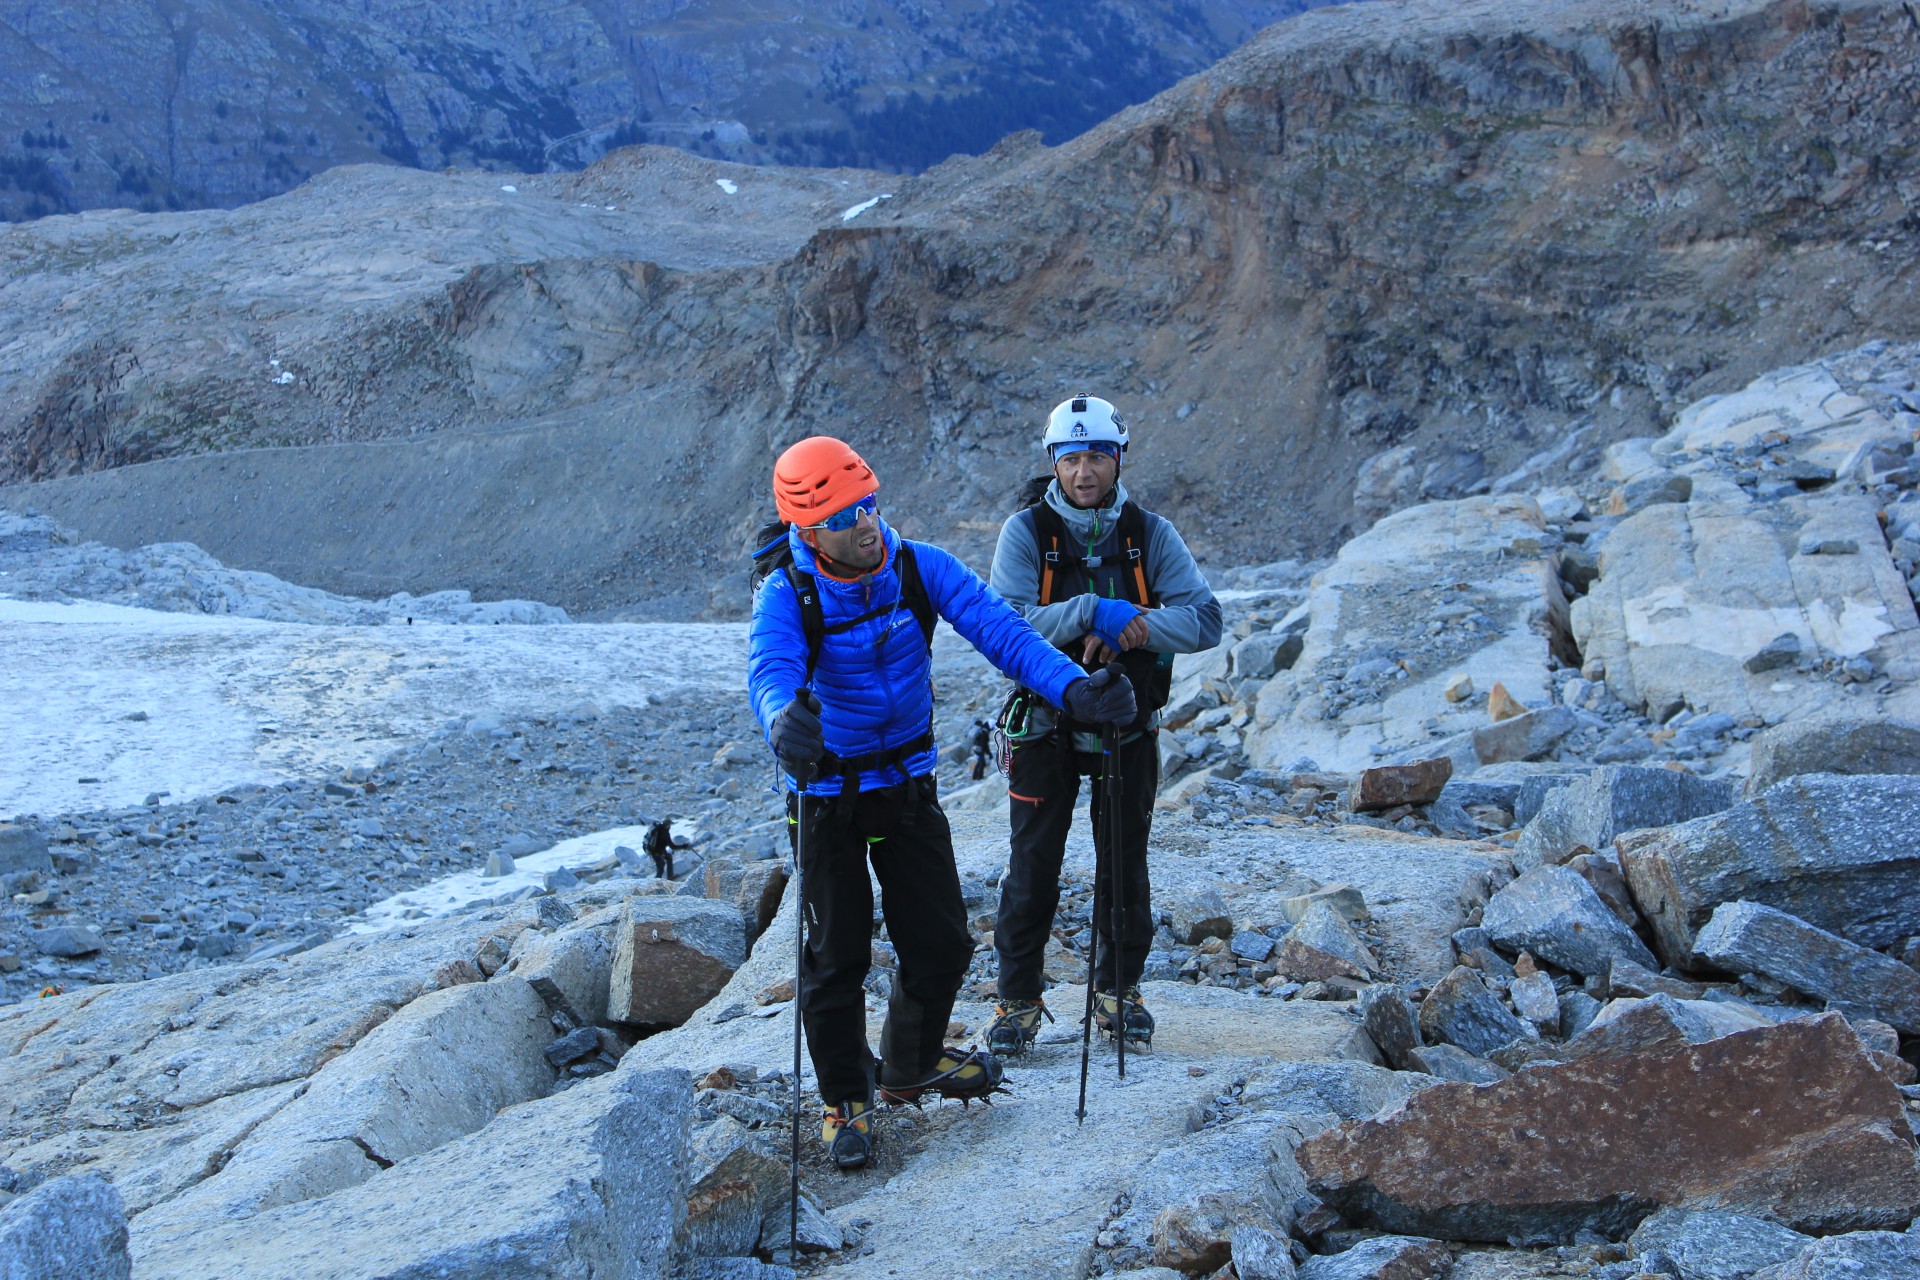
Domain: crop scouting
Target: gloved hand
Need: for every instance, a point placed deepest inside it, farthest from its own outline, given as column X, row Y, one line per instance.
column 796, row 736
column 1110, row 618
column 1105, row 697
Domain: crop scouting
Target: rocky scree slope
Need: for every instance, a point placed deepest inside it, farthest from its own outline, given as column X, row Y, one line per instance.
column 224, row 102
column 1470, row 231
column 1489, row 1010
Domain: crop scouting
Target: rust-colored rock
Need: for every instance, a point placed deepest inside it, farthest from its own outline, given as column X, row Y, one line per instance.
column 1793, row 1123
column 1502, row 705
column 1398, row 784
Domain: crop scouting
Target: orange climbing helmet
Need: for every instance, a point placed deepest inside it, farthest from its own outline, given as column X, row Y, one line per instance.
column 817, row 477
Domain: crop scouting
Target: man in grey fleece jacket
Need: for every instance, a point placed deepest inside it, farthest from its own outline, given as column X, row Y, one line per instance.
column 1104, row 580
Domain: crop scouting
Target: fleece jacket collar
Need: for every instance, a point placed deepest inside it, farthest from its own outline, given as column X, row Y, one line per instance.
column 1089, row 526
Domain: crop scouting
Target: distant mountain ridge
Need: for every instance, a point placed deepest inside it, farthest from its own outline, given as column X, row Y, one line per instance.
column 220, row 102
column 1379, row 254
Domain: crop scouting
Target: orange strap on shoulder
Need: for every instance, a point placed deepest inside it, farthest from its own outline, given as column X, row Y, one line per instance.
column 1046, row 575
column 1139, row 575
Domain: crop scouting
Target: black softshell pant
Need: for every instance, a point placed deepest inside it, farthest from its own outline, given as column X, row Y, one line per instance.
column 1043, row 785
column 904, row 834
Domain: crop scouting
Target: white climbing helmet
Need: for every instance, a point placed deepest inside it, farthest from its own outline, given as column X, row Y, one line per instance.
column 1080, row 422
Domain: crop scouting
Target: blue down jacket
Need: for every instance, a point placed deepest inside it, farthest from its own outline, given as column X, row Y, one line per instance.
column 875, row 681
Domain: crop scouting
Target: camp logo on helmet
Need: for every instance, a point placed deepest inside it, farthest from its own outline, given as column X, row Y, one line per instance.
column 1079, row 431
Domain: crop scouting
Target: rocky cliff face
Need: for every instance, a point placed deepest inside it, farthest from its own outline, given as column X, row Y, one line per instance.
column 226, row 101
column 1476, row 235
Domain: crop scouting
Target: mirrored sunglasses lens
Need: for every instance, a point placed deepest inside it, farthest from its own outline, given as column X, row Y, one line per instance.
column 847, row 517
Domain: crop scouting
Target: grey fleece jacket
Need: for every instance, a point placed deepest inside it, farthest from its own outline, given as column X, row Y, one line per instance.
column 1188, row 619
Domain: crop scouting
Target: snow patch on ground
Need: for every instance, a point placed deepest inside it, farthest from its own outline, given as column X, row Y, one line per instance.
column 727, row 186
column 230, row 700
column 450, row 893
column 863, row 206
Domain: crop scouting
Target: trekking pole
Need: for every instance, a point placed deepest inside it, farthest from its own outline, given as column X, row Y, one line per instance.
column 1116, row 893
column 807, row 699
column 1086, row 1022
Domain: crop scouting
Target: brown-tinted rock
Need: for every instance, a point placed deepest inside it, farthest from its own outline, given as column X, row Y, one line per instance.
column 754, row 887
column 1397, row 784
column 672, row 955
column 1502, row 705
column 1791, row 1123
column 1322, row 947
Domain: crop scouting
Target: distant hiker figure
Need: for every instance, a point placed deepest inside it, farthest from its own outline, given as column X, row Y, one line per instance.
column 847, row 611
column 659, row 844
column 981, row 742
column 1105, row 581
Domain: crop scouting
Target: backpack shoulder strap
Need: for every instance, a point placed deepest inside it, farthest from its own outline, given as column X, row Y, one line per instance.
column 1051, row 541
column 913, row 591
column 813, row 619
column 1133, row 545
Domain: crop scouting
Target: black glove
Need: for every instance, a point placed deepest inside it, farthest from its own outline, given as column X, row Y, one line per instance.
column 796, row 735
column 1105, row 697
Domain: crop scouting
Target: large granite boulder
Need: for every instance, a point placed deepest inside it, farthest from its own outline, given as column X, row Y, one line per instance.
column 1556, row 914
column 71, row 1228
column 1592, row 810
column 1835, row 742
column 672, row 955
column 1792, row 1123
column 437, row 1070
column 1707, row 1244
column 1747, row 937
column 1838, row 852
column 1689, row 591
column 1480, row 570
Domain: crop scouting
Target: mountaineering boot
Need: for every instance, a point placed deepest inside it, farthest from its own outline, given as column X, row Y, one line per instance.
column 847, row 1132
column 965, row 1074
column 1015, row 1024
column 1130, row 1011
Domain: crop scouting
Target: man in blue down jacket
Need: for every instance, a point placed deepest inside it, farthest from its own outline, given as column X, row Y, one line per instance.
column 868, row 756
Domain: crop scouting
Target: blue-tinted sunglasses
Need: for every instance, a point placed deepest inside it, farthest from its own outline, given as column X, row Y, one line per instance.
column 847, row 517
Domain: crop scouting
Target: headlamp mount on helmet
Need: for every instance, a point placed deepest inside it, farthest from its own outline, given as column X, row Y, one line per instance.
column 1082, row 422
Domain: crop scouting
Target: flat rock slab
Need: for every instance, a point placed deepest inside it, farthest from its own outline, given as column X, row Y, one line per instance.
column 1746, row 937
column 588, row 1183
column 437, row 1070
column 1372, row 590
column 1689, row 591
column 1793, row 1123
column 1838, row 852
column 1057, row 1178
